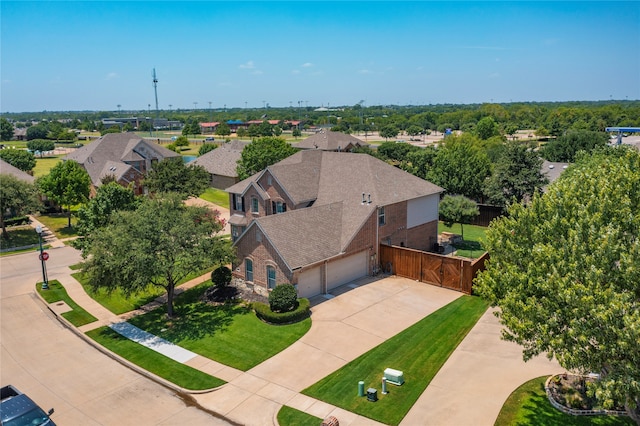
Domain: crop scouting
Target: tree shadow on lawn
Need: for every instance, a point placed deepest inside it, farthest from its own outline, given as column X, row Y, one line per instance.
column 193, row 320
column 469, row 245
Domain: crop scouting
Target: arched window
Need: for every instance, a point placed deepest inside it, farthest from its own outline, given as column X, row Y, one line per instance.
column 271, row 277
column 254, row 205
column 248, row 270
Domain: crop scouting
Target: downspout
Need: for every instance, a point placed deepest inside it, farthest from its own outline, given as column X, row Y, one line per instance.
column 377, row 236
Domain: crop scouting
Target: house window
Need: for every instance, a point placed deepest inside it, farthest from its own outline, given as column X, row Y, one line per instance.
column 254, row 205
column 269, row 181
column 278, row 207
column 381, row 218
column 271, row 277
column 236, row 231
column 238, row 202
column 248, row 270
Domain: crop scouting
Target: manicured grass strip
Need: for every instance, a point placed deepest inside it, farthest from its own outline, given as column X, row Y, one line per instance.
column 474, row 237
column 119, row 303
column 160, row 365
column 45, row 164
column 528, row 405
column 288, row 416
column 57, row 223
column 419, row 352
column 19, row 237
column 56, row 293
column 230, row 334
column 216, row 196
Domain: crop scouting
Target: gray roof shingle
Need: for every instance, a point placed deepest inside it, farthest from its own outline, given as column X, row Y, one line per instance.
column 223, row 160
column 8, row 169
column 327, row 140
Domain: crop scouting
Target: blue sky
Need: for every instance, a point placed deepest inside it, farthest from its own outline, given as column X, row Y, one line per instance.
column 62, row 55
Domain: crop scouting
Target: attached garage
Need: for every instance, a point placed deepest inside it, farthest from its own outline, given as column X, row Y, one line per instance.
column 310, row 282
column 347, row 269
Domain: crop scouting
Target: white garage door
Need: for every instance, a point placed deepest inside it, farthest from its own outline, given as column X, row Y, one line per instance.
column 310, row 283
column 347, row 269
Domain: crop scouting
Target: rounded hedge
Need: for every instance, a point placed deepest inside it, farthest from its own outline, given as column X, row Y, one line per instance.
column 283, row 298
column 221, row 276
column 265, row 313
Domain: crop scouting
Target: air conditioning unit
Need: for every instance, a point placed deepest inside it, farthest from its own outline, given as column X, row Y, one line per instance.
column 394, row 376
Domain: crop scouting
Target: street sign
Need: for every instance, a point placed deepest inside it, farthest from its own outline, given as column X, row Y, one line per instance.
column 44, row 255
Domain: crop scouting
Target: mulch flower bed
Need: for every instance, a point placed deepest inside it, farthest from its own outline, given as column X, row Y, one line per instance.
column 220, row 295
column 571, row 391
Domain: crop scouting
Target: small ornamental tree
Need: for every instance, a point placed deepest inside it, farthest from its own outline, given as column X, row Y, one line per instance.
column 221, row 276
column 457, row 209
column 283, row 298
column 207, row 147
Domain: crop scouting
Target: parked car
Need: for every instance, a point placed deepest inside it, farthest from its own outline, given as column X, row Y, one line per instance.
column 17, row 409
column 209, row 139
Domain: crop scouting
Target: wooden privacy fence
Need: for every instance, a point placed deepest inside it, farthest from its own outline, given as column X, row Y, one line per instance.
column 455, row 273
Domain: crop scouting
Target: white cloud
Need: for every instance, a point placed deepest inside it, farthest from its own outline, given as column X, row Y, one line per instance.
column 249, row 65
column 306, row 65
column 365, row 72
column 111, row 76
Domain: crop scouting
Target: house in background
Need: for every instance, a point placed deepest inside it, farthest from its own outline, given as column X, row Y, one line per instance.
column 326, row 140
column 124, row 156
column 221, row 163
column 316, row 219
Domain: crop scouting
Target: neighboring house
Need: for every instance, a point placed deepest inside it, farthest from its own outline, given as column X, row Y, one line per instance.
column 326, row 140
column 20, row 134
column 221, row 163
column 209, row 127
column 124, row 156
column 316, row 219
column 8, row 169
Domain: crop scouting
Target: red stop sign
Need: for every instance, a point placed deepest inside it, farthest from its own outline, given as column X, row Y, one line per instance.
column 44, row 255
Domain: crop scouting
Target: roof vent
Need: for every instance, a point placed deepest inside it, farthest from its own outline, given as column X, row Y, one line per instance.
column 369, row 198
column 363, row 199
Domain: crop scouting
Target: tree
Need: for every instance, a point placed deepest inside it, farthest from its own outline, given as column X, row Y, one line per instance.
column 296, row 133
column 457, row 209
column 460, row 168
column 17, row 197
column 41, row 145
column 181, row 141
column 419, row 162
column 24, row 160
column 486, row 128
column 206, row 147
column 172, row 175
column 223, row 129
column 6, row 130
column 414, row 131
column 67, row 184
column 565, row 147
column 159, row 244
column 96, row 213
column 516, row 176
column 262, row 153
column 241, row 132
column 511, row 130
column 565, row 272
column 37, row 132
column 389, row 131
column 116, row 129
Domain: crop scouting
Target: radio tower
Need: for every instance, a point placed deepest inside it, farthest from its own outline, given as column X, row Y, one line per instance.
column 155, row 89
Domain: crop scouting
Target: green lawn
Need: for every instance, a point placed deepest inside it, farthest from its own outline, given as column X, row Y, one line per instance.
column 230, row 334
column 19, row 236
column 57, row 223
column 77, row 316
column 288, row 416
column 160, row 365
column 418, row 352
column 528, row 405
column 119, row 303
column 43, row 165
column 474, row 236
column 216, row 196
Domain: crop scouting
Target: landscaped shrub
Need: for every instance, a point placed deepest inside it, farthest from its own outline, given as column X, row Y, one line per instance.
column 221, row 276
column 264, row 312
column 21, row 220
column 283, row 298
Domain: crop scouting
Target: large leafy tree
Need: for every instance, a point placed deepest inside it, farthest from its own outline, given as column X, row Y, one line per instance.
column 172, row 175
column 158, row 244
column 17, row 197
column 23, row 160
column 96, row 213
column 389, row 131
column 486, row 128
column 41, row 145
column 67, row 184
column 37, row 132
column 517, row 175
column 565, row 272
column 460, row 167
column 6, row 130
column 261, row 153
column 457, row 209
column 565, row 147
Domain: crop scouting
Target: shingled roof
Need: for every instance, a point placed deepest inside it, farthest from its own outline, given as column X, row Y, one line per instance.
column 223, row 160
column 8, row 169
column 335, row 182
column 107, row 155
column 327, row 140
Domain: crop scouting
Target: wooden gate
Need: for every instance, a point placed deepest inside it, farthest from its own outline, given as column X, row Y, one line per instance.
column 456, row 273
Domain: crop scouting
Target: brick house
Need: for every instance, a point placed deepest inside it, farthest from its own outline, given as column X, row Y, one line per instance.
column 221, row 163
column 327, row 140
column 316, row 219
column 124, row 156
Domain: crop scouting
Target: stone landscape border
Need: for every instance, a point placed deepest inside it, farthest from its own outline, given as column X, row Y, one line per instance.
column 573, row 411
